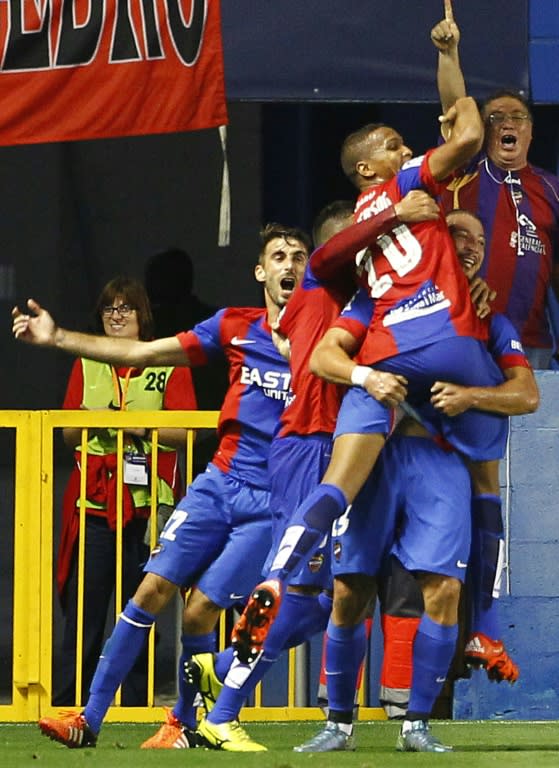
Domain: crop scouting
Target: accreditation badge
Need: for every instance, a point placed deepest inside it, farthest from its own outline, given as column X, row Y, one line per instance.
column 135, row 469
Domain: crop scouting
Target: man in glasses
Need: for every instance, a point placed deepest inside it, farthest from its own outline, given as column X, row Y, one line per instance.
column 517, row 203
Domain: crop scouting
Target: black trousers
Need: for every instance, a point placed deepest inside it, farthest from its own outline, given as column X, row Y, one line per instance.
column 99, row 585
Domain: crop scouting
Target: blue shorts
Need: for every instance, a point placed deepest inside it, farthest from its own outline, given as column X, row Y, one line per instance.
column 363, row 535
column 479, row 436
column 418, row 509
column 217, row 538
column 296, row 466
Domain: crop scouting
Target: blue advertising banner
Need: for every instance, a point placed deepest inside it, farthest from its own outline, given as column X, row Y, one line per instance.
column 367, row 50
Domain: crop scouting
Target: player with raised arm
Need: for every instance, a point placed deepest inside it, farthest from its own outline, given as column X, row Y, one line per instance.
column 423, row 328
column 301, row 450
column 224, row 519
column 431, row 489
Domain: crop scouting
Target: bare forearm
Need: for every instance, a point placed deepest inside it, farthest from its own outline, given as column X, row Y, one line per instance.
column 450, row 80
column 123, row 352
column 518, row 394
column 507, row 399
column 332, row 364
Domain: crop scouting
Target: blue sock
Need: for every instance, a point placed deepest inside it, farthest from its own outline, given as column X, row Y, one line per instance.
column 117, row 659
column 345, row 650
column 222, row 662
column 191, row 644
column 299, row 618
column 310, row 522
column 433, row 649
column 484, row 570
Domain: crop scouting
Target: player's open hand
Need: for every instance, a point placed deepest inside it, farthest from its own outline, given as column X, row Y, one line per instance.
column 445, row 35
column 36, row 328
column 390, row 389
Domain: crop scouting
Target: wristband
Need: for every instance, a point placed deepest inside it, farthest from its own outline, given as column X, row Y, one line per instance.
column 359, row 375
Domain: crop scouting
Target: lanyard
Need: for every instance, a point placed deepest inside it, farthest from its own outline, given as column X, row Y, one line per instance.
column 120, row 391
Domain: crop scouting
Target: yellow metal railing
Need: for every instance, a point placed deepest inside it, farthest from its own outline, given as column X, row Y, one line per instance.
column 33, row 548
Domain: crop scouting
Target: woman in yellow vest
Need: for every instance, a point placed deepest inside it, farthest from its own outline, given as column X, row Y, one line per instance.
column 122, row 310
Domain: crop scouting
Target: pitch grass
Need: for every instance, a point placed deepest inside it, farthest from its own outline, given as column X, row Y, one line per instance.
column 477, row 744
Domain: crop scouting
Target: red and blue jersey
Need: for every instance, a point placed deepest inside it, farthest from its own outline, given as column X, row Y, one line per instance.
column 520, row 213
column 504, row 343
column 419, row 291
column 328, row 283
column 259, row 386
column 308, row 315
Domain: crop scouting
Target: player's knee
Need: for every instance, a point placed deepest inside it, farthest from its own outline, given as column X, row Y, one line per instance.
column 441, row 595
column 200, row 614
column 154, row 593
column 353, row 595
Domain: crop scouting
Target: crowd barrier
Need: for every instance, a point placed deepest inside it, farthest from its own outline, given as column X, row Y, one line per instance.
column 32, row 488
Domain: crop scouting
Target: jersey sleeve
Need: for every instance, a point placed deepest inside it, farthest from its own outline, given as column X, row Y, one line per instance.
column 179, row 392
column 356, row 315
column 416, row 174
column 74, row 389
column 505, row 345
column 203, row 343
column 338, row 253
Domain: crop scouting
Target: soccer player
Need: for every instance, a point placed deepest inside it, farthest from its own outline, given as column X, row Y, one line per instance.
column 224, row 519
column 431, row 493
column 424, row 328
column 301, row 450
column 517, row 202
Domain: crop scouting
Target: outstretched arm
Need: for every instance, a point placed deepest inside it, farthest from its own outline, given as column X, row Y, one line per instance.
column 39, row 328
column 450, row 81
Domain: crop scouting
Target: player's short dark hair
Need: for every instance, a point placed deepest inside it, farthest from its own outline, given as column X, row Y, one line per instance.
column 338, row 210
column 501, row 93
column 353, row 148
column 272, row 230
column 471, row 214
column 132, row 292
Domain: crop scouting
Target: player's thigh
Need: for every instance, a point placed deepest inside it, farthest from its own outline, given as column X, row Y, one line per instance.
column 435, row 532
column 197, row 530
column 362, row 537
column 232, row 575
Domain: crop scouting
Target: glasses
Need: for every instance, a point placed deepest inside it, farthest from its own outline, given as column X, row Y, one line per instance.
column 123, row 310
column 496, row 118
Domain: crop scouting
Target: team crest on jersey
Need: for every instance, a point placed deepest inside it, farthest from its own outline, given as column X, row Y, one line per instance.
column 337, row 551
column 316, row 562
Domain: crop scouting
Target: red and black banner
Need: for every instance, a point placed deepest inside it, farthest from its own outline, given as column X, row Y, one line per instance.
column 88, row 69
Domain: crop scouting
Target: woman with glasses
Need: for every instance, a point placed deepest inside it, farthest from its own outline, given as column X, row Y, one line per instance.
column 122, row 310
